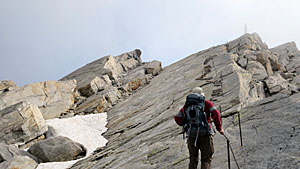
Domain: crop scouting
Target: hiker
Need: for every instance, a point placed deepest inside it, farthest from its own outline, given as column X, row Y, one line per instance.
column 195, row 117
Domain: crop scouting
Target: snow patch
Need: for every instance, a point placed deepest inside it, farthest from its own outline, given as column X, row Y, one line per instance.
column 86, row 130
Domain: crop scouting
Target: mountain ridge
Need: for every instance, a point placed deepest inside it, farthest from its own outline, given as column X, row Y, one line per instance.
column 141, row 131
column 242, row 77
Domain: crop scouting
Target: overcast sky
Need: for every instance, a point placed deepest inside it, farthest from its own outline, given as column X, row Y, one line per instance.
column 47, row 39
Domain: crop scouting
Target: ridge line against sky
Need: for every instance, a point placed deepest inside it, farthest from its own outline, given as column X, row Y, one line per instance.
column 46, row 40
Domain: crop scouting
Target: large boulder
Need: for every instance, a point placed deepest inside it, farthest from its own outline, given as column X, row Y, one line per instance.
column 57, row 149
column 9, row 151
column 19, row 162
column 93, row 86
column 153, row 68
column 257, row 69
column 20, row 123
column 52, row 97
column 277, row 84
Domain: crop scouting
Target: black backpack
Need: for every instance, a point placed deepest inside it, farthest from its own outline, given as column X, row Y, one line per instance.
column 196, row 123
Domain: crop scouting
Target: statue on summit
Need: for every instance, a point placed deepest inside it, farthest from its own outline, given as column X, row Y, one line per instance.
column 195, row 117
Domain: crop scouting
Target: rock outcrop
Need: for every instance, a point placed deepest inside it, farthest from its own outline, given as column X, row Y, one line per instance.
column 52, row 97
column 111, row 66
column 288, row 56
column 57, row 149
column 21, row 123
column 240, row 76
column 105, row 82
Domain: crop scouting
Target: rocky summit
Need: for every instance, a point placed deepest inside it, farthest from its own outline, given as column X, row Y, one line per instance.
column 244, row 78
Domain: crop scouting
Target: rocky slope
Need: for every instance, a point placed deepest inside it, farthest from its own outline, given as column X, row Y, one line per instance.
column 94, row 88
column 244, row 76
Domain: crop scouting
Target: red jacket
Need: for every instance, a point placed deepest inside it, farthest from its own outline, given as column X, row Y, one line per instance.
column 211, row 112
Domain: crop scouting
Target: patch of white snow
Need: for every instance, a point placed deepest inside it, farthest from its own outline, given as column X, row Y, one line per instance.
column 86, row 130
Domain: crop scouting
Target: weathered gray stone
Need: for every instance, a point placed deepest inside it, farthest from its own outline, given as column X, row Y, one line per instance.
column 57, row 149
column 94, row 86
column 9, row 151
column 51, row 132
column 288, row 56
column 7, row 85
column 257, row 69
column 276, row 83
column 52, row 97
column 296, row 80
column 133, row 80
column 257, row 91
column 251, row 56
column 20, row 123
column 153, row 68
column 274, row 61
column 288, row 76
column 243, row 62
column 19, row 162
column 99, row 102
column 130, row 60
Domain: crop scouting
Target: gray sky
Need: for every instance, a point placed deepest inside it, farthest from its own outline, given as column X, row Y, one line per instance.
column 47, row 39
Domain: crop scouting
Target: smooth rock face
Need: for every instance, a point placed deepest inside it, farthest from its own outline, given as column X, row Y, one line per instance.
column 142, row 133
column 52, row 97
column 19, row 162
column 20, row 123
column 271, row 134
column 57, row 149
column 7, row 152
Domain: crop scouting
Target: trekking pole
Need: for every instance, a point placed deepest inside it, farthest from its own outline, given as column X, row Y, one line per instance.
column 229, row 147
column 241, row 138
column 228, row 152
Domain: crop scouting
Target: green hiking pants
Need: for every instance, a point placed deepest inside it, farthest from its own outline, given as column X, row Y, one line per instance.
column 206, row 146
